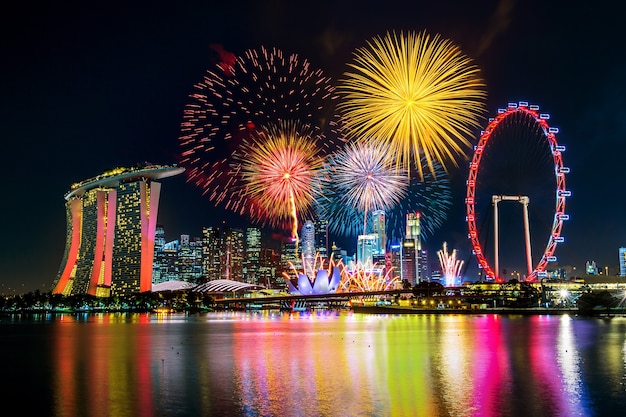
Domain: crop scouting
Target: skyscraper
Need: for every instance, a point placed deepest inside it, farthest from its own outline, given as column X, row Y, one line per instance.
column 308, row 245
column 412, row 249
column 111, row 225
column 378, row 227
column 253, row 253
column 321, row 237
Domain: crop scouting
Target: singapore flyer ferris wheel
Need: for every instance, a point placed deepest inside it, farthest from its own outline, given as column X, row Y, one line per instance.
column 517, row 158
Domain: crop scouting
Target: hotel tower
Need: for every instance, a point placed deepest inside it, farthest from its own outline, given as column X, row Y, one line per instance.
column 111, row 223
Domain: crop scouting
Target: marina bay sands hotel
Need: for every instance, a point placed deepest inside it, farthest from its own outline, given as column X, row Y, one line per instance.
column 111, row 222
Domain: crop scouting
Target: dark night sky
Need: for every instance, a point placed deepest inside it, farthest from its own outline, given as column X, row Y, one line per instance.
column 95, row 85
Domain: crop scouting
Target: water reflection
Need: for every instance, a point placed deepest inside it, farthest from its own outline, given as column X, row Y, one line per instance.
column 334, row 364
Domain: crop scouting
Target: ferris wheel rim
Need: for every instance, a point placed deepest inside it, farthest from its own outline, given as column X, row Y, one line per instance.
column 561, row 191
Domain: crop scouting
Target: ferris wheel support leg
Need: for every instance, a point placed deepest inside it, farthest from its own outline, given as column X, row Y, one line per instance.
column 495, row 199
column 529, row 262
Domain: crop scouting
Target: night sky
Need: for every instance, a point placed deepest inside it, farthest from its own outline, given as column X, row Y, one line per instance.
column 86, row 88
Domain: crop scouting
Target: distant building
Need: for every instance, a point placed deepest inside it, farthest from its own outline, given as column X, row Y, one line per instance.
column 190, row 259
column 591, row 268
column 307, row 245
column 379, row 225
column 251, row 264
column 414, row 260
column 212, row 253
column 622, row 262
column 111, row 226
column 321, row 238
column 367, row 247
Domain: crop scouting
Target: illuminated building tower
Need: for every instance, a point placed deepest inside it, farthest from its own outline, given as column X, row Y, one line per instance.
column 233, row 254
column 111, row 226
column 269, row 265
column 308, row 244
column 212, row 252
column 591, row 268
column 321, row 238
column 378, row 228
column 253, row 253
column 367, row 246
column 159, row 242
column 395, row 260
column 167, row 260
column 411, row 249
column 423, row 272
column 622, row 262
column 288, row 259
column 189, row 259
column 409, row 262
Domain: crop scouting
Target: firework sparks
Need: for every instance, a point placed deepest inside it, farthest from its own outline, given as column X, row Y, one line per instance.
column 419, row 93
column 450, row 266
column 432, row 197
column 278, row 170
column 234, row 100
column 366, row 278
column 363, row 177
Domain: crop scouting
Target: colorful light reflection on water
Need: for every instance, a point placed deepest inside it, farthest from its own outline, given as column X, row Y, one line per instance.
column 323, row 365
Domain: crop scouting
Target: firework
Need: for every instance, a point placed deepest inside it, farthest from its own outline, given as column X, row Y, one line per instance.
column 450, row 266
column 432, row 197
column 278, row 172
column 366, row 278
column 419, row 93
column 238, row 97
column 363, row 177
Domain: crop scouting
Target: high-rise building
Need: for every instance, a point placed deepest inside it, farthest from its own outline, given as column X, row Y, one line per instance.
column 212, row 253
column 233, row 254
column 251, row 263
column 190, row 260
column 111, row 226
column 378, row 228
column 412, row 250
column 409, row 269
column 367, row 247
column 321, row 238
column 307, row 247
column 622, row 262
column 289, row 259
column 269, row 267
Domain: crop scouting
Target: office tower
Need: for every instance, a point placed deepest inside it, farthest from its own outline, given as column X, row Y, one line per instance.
column 289, row 260
column 190, row 260
column 167, row 261
column 253, row 253
column 159, row 242
column 321, row 238
column 212, row 252
column 307, row 247
column 622, row 262
column 367, row 246
column 233, row 253
column 111, row 226
column 269, row 267
column 409, row 270
column 395, row 260
column 378, row 228
column 423, row 273
column 591, row 268
column 412, row 248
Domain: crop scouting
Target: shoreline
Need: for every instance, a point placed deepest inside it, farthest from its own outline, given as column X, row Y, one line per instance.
column 528, row 311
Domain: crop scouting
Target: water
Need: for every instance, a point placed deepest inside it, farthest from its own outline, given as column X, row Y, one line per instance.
column 228, row 364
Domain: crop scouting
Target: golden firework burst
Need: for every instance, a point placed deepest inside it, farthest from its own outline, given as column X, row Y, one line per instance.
column 417, row 92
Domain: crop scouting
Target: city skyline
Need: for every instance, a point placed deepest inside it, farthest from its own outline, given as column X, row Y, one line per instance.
column 86, row 89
